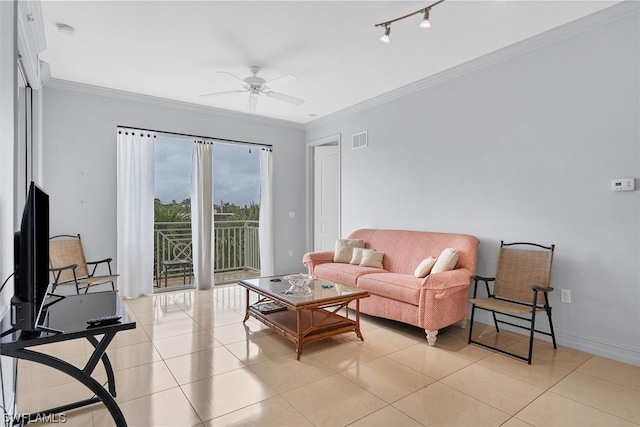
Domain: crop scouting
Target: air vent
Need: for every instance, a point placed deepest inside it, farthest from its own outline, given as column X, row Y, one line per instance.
column 359, row 140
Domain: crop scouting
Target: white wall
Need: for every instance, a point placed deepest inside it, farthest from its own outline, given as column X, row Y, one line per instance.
column 520, row 146
column 80, row 161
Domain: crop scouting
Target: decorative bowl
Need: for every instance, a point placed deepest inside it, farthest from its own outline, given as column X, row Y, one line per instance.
column 299, row 284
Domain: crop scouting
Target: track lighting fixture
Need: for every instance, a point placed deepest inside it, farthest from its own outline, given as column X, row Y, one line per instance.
column 424, row 24
column 385, row 37
column 425, row 21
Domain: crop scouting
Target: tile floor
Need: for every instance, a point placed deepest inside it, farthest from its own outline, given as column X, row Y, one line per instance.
column 192, row 362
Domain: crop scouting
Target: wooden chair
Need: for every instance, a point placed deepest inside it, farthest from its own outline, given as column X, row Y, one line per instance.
column 520, row 290
column 70, row 267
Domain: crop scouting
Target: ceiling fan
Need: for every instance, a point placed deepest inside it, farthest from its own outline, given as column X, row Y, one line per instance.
column 255, row 86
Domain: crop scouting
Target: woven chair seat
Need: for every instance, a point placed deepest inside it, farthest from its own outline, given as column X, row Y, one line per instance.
column 502, row 306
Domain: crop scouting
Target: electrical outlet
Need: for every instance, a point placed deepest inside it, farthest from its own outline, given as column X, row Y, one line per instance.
column 565, row 296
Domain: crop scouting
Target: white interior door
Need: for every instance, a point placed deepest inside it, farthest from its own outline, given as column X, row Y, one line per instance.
column 326, row 197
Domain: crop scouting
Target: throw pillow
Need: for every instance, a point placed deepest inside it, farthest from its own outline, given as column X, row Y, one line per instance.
column 446, row 261
column 371, row 258
column 344, row 249
column 425, row 267
column 356, row 258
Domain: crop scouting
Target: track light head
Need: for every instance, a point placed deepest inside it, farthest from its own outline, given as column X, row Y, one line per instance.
column 425, row 21
column 385, row 37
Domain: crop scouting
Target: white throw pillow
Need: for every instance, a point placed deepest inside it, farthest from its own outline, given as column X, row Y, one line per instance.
column 371, row 258
column 425, row 267
column 446, row 261
column 344, row 249
column 356, row 258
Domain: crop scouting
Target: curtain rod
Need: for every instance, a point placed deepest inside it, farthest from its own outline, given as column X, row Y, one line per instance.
column 234, row 141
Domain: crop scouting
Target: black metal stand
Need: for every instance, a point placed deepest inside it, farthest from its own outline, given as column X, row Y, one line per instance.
column 20, row 348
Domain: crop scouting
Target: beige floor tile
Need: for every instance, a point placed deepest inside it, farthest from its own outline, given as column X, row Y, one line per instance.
column 515, row 422
column 146, row 304
column 216, row 396
column 431, row 361
column 128, row 337
column 202, row 364
column 213, row 318
column 51, row 397
column 285, row 373
column 386, row 417
column 388, row 379
column 184, row 344
column 171, row 329
column 141, row 381
column 504, row 339
column 440, row 405
column 501, row 391
column 385, row 341
column 345, row 356
column 347, row 401
column 34, row 376
column 261, row 348
column 81, row 417
column 543, row 352
column 239, row 331
column 275, row 412
column 601, row 394
column 160, row 316
column 539, row 373
column 611, row 370
column 132, row 355
column 551, row 409
column 168, row 408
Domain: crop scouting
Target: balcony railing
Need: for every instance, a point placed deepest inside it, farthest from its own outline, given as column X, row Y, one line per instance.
column 236, row 246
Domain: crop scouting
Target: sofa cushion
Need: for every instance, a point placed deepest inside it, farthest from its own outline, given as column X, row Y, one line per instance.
column 400, row 287
column 345, row 274
column 371, row 258
column 425, row 267
column 356, row 258
column 344, row 249
column 446, row 261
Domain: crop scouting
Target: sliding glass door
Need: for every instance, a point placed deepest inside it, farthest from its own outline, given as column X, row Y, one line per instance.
column 236, row 195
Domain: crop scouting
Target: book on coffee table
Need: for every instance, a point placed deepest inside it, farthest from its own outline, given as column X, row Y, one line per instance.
column 269, row 307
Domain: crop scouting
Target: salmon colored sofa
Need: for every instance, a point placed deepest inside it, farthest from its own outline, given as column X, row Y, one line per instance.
column 432, row 302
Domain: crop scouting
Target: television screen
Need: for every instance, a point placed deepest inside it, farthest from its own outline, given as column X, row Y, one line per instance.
column 31, row 255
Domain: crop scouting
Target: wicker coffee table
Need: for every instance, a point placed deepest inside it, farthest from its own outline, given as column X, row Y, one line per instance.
column 304, row 319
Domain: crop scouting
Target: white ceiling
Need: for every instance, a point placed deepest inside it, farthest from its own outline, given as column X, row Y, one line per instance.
column 172, row 49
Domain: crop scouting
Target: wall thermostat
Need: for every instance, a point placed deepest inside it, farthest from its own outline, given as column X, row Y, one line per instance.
column 623, row 184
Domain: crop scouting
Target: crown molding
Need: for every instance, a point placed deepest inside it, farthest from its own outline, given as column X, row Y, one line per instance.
column 168, row 103
column 601, row 18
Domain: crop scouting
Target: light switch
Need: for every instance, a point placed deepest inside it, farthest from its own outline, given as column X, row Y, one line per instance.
column 292, row 214
column 623, row 184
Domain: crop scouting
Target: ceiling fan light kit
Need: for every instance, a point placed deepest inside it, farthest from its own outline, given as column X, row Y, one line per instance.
column 254, row 86
column 424, row 24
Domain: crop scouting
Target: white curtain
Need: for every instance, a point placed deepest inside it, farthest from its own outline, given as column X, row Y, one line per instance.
column 135, row 181
column 202, row 213
column 266, row 213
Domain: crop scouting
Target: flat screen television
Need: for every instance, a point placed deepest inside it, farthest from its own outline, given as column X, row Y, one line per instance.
column 31, row 256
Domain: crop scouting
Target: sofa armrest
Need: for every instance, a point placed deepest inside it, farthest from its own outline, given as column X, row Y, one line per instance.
column 448, row 279
column 311, row 259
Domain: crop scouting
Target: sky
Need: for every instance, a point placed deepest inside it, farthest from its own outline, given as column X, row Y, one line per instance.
column 236, row 171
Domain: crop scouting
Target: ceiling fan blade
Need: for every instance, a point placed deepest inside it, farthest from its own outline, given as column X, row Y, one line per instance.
column 286, row 98
column 283, row 80
column 232, row 75
column 222, row 93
